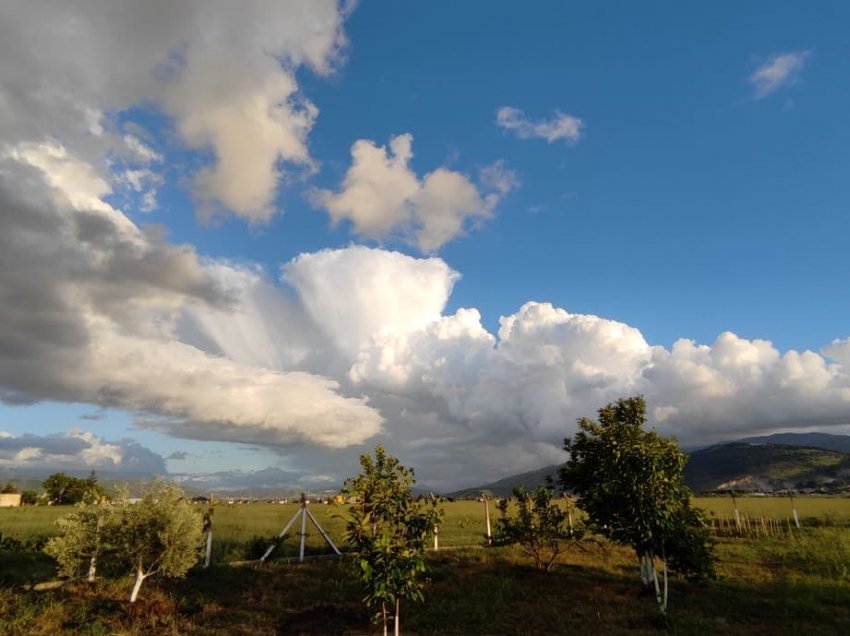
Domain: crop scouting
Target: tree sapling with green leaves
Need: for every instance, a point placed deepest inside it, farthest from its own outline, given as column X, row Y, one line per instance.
column 388, row 530
column 540, row 527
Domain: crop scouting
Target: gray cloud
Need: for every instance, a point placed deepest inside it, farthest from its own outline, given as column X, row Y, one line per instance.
column 226, row 78
column 77, row 452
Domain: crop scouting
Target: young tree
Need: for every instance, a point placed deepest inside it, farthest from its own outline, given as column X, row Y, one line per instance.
column 630, row 483
column 162, row 533
column 80, row 538
column 540, row 527
column 388, row 530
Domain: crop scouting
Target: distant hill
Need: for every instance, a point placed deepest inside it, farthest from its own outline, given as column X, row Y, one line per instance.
column 765, row 467
column 839, row 443
column 504, row 487
column 767, row 463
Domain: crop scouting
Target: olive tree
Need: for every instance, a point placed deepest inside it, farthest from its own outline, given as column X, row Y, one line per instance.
column 80, row 539
column 630, row 483
column 388, row 530
column 160, row 534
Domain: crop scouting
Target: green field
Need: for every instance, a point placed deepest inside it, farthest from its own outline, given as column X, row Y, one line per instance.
column 814, row 507
column 240, row 530
column 243, row 531
column 795, row 583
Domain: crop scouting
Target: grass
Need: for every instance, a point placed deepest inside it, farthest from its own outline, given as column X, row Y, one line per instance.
column 799, row 583
column 593, row 588
column 817, row 510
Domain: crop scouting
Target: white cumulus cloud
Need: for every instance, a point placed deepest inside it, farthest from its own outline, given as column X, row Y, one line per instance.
column 381, row 196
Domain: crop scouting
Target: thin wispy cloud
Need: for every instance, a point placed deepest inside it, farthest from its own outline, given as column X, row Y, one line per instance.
column 780, row 69
column 559, row 126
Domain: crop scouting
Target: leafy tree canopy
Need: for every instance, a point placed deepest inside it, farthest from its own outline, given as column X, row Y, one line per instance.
column 162, row 534
column 63, row 489
column 629, row 481
column 388, row 530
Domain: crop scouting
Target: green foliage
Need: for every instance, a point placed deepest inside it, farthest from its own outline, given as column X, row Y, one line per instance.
column 162, row 533
column 9, row 489
column 63, row 489
column 388, row 530
column 29, row 497
column 81, row 537
column 630, row 483
column 540, row 526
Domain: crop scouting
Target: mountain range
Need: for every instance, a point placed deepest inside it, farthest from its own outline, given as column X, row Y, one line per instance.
column 800, row 461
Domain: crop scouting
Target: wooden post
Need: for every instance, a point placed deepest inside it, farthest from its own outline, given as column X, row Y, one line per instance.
column 794, row 510
column 303, row 526
column 487, row 516
column 436, row 538
column 737, row 514
column 208, row 531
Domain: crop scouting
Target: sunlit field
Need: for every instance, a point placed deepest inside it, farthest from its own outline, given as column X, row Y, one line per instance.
column 796, row 582
column 244, row 531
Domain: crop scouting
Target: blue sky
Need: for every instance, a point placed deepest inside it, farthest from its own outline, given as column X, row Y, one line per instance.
column 640, row 173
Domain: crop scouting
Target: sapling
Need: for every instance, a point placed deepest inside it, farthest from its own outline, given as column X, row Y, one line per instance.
column 388, row 530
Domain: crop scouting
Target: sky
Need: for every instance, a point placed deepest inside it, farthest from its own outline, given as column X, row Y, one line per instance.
column 242, row 244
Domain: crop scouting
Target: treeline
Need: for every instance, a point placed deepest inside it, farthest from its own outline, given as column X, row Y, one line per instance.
column 59, row 489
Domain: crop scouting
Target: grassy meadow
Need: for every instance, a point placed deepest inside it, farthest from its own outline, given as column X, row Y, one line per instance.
column 796, row 583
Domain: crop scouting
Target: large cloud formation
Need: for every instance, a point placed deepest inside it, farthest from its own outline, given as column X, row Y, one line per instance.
column 91, row 305
column 453, row 393
column 225, row 74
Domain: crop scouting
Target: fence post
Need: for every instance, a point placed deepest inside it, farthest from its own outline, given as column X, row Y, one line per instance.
column 487, row 516
column 208, row 530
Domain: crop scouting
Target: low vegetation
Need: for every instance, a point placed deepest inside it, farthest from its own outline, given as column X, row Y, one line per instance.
column 540, row 527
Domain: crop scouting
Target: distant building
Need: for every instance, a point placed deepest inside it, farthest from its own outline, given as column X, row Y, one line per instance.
column 10, row 500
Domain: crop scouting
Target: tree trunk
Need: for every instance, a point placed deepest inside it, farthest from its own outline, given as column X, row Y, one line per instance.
column 92, row 568
column 384, row 614
column 647, row 569
column 395, row 623
column 140, row 577
column 208, row 551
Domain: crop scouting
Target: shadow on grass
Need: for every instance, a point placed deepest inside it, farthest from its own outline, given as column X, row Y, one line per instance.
column 18, row 568
column 491, row 591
